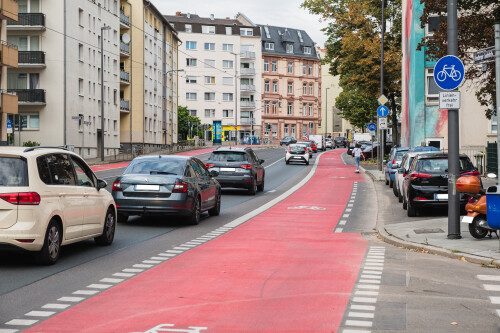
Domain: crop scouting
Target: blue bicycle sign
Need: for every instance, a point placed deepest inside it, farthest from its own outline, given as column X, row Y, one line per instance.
column 449, row 72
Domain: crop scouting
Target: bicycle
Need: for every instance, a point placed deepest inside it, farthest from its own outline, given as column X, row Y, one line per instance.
column 453, row 73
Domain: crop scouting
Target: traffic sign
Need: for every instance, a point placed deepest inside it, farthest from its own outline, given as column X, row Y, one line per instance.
column 449, row 72
column 382, row 99
column 371, row 126
column 9, row 126
column 449, row 100
column 382, row 111
column 484, row 55
column 382, row 123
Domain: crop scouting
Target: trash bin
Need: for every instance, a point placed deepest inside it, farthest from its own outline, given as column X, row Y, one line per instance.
column 493, row 206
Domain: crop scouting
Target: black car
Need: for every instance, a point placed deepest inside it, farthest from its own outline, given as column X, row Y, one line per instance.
column 341, row 141
column 167, row 185
column 238, row 168
column 427, row 181
column 288, row 140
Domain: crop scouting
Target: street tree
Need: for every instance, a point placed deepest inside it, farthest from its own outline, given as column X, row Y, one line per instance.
column 185, row 121
column 476, row 21
column 356, row 106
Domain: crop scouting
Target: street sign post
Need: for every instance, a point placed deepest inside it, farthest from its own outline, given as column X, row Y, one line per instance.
column 449, row 72
column 382, row 123
column 382, row 111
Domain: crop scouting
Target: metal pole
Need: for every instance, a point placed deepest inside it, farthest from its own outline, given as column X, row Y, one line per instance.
column 102, row 91
column 453, row 135
column 380, row 153
column 235, row 98
column 83, row 137
column 326, row 111
column 497, row 75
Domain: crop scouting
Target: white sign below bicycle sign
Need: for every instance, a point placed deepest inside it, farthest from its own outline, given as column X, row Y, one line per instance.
column 449, row 100
column 449, row 72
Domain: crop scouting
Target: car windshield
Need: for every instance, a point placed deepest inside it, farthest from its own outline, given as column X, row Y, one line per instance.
column 13, row 172
column 228, row 156
column 157, row 166
column 399, row 155
column 297, row 150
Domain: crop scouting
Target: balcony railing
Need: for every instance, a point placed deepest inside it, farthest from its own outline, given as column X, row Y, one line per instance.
column 28, row 19
column 30, row 95
column 247, row 121
column 247, row 71
column 124, row 18
column 124, row 76
column 247, row 54
column 31, row 57
column 247, row 104
column 124, row 105
column 124, row 47
column 247, row 87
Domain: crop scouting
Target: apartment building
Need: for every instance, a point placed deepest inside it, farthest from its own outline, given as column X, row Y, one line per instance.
column 291, row 76
column 221, row 59
column 8, row 59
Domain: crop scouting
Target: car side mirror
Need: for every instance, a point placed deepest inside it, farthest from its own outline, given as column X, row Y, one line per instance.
column 261, row 161
column 101, row 184
column 214, row 173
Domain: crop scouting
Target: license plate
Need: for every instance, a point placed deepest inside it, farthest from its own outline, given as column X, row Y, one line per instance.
column 296, row 157
column 441, row 196
column 467, row 219
column 227, row 169
column 145, row 187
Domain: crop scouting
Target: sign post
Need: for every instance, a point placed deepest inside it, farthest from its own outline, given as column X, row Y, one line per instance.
column 497, row 75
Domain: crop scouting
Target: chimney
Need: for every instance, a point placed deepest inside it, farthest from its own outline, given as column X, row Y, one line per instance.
column 227, row 18
column 177, row 13
column 212, row 17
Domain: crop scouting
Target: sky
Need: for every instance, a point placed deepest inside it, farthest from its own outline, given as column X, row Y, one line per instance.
column 285, row 13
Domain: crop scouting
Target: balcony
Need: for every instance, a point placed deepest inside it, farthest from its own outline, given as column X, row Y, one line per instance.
column 247, row 104
column 124, row 49
column 9, row 103
column 124, row 105
column 247, row 121
column 247, row 55
column 31, row 59
column 247, row 87
column 30, row 96
column 124, row 77
column 247, row 71
column 27, row 21
column 8, row 10
column 8, row 55
column 124, row 20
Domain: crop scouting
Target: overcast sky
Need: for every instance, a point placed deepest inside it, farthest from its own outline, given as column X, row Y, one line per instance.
column 285, row 13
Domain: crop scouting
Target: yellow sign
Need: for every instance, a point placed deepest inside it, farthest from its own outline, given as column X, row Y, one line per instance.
column 226, row 128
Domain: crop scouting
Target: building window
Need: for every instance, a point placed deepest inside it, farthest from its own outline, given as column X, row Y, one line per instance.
column 289, row 48
column 275, row 86
column 304, row 69
column 229, row 31
column 266, row 86
column 269, row 46
column 227, row 113
column 28, row 121
column 209, row 96
column 209, row 79
column 209, row 113
column 433, row 25
column 311, row 89
column 274, row 66
column 304, row 109
column 494, row 124
column 290, row 88
column 275, row 107
column 246, row 32
column 310, row 109
column 267, row 127
column 266, row 65
column 311, row 126
column 191, row 96
column 80, row 87
column 304, row 89
column 275, row 130
column 192, row 112
column 227, row 64
column 227, row 47
column 286, row 129
column 209, row 46
column 80, row 16
column 290, row 109
column 266, row 107
column 208, row 29
column 307, row 50
column 431, row 88
column 191, row 62
column 188, row 28
column 209, row 63
column 310, row 69
column 227, row 97
column 290, row 67
column 80, row 52
column 190, row 79
column 190, row 45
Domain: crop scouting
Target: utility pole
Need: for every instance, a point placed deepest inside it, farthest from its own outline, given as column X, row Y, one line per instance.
column 453, row 134
column 497, row 76
column 326, row 112
column 381, row 144
column 105, row 27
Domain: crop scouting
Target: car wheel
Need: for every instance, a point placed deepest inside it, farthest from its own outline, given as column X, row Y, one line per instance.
column 287, row 162
column 194, row 218
column 405, row 204
column 475, row 230
column 108, row 231
column 411, row 210
column 391, row 183
column 51, row 249
column 400, row 197
column 122, row 218
column 253, row 189
column 385, row 177
column 215, row 210
column 260, row 187
column 395, row 190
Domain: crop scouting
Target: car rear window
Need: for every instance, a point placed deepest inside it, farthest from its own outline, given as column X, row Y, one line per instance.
column 228, row 156
column 399, row 155
column 13, row 171
column 297, row 150
column 441, row 165
column 158, row 166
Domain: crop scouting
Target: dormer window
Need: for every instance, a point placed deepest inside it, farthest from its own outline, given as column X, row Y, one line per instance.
column 188, row 28
column 246, row 32
column 307, row 50
column 208, row 29
column 269, row 46
column 289, row 48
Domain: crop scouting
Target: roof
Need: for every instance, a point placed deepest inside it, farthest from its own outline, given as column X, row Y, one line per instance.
column 194, row 18
column 170, row 157
column 240, row 149
column 281, row 36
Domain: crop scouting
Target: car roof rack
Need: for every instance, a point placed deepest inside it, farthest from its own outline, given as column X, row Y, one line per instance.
column 41, row 147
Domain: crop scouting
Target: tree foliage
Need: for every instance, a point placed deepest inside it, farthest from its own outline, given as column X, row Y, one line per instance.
column 476, row 21
column 184, row 120
column 353, row 52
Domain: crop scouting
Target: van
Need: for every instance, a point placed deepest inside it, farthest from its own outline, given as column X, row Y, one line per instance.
column 319, row 140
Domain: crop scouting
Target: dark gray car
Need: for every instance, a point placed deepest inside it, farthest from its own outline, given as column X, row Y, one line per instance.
column 167, row 185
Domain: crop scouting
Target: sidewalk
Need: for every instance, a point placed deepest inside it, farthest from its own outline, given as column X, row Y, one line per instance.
column 430, row 235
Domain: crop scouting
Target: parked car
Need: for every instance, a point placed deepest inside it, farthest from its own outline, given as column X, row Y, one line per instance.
column 167, row 185
column 427, row 181
column 288, row 140
column 50, row 198
column 238, row 168
column 367, row 151
column 308, row 146
column 313, row 145
column 297, row 153
column 422, row 149
column 363, row 144
column 400, row 174
column 341, row 141
column 329, row 143
column 319, row 140
column 395, row 157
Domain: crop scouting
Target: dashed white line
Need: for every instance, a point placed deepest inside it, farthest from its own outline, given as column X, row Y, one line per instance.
column 495, row 300
column 345, row 216
column 369, row 281
column 158, row 258
column 367, row 286
column 343, row 222
column 124, row 274
column 174, row 251
column 85, row 292
column 181, row 248
column 358, row 323
column 362, row 307
column 99, row 286
column 142, row 266
column 8, row 330
column 151, row 261
column 367, row 276
column 348, row 210
column 70, row 299
column 371, row 272
column 366, row 293
column 350, row 205
column 55, row 306
column 21, row 322
column 132, row 270
column 489, row 277
column 374, row 260
column 339, row 230
column 491, row 287
column 40, row 313
column 361, row 315
column 364, row 299
column 111, row 280
column 354, row 331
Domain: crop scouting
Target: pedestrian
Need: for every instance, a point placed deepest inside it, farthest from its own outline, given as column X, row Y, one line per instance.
column 356, row 152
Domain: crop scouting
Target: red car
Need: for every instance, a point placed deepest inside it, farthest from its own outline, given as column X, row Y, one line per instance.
column 313, row 146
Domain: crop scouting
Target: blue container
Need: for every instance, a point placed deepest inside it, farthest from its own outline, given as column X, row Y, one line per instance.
column 493, row 207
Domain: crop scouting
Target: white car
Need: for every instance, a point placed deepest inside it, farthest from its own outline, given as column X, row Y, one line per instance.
column 319, row 140
column 397, row 187
column 297, row 153
column 50, row 197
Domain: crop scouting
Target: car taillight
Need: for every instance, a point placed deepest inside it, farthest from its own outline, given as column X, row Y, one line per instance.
column 473, row 173
column 246, row 166
column 416, row 175
column 24, row 198
column 472, row 200
column 117, row 186
column 404, row 175
column 209, row 165
column 180, row 187
column 419, row 199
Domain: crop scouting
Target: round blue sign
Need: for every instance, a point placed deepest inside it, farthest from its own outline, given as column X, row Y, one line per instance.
column 382, row 111
column 449, row 72
column 371, row 126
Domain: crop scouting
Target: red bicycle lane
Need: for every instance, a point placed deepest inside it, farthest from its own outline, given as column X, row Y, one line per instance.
column 282, row 271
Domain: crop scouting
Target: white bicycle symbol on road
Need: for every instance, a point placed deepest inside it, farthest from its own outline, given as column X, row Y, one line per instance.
column 449, row 71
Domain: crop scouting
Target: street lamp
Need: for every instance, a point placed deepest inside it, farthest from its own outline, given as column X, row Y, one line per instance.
column 172, row 90
column 105, row 27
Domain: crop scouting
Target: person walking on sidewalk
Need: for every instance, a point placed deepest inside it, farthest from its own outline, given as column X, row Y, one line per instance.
column 356, row 152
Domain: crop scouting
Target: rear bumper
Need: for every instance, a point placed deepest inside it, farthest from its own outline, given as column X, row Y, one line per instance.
column 244, row 181
column 152, row 207
column 300, row 159
column 430, row 199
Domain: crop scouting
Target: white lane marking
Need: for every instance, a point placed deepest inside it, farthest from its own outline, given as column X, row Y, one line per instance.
column 495, row 300
column 151, row 262
column 339, row 230
column 489, row 277
column 491, row 287
column 362, row 307
column 361, row 315
column 8, row 330
column 374, row 260
column 111, row 280
column 272, row 191
column 375, row 268
column 142, row 266
column 158, row 258
column 189, row 245
column 343, row 222
column 270, row 165
column 369, row 281
column 374, row 256
column 498, row 312
column 85, row 292
column 365, row 276
column 124, row 274
column 132, row 270
column 358, row 323
column 181, row 248
column 352, row 201
column 367, row 286
column 21, row 322
column 345, row 215
column 192, row 243
column 366, row 293
column 350, row 205
column 377, row 247
column 348, row 210
column 71, row 299
column 369, row 264
column 371, row 272
column 174, row 251
column 55, row 306
column 170, row 254
column 40, row 313
column 364, row 299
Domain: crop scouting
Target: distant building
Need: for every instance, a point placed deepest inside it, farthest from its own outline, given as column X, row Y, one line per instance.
column 291, row 96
